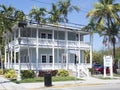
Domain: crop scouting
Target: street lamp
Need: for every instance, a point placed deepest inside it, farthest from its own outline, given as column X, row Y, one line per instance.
column 18, row 75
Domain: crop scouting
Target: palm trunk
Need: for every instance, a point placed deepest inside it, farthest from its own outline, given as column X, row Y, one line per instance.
column 113, row 50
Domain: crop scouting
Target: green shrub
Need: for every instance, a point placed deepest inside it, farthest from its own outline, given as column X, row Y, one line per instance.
column 27, row 74
column 0, row 71
column 63, row 73
column 91, row 70
column 11, row 74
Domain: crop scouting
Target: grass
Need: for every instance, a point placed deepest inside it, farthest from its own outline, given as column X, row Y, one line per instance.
column 41, row 79
column 117, row 75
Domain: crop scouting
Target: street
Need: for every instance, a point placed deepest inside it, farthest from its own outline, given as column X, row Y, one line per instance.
column 84, row 87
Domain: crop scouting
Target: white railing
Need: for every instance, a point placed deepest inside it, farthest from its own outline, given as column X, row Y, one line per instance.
column 41, row 66
column 83, row 69
column 49, row 42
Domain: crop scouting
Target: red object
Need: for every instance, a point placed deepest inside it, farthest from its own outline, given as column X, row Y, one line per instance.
column 99, row 69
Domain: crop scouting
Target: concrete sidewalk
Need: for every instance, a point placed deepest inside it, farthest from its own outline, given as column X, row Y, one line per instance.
column 7, row 85
column 87, row 82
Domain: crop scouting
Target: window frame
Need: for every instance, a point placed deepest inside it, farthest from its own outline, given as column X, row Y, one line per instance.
column 42, row 58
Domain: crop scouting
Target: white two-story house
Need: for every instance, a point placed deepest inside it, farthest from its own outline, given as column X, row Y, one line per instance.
column 47, row 47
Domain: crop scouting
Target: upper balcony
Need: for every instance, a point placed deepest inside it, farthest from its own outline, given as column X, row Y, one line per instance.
column 50, row 43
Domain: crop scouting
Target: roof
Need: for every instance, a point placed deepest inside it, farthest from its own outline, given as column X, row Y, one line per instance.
column 57, row 27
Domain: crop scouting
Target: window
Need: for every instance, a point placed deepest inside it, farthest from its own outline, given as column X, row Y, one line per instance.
column 50, row 59
column 43, row 58
column 77, row 37
column 49, row 36
column 43, row 35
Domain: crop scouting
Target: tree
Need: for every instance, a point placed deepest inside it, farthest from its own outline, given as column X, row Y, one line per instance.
column 65, row 7
column 19, row 16
column 106, row 18
column 6, row 16
column 55, row 15
column 38, row 15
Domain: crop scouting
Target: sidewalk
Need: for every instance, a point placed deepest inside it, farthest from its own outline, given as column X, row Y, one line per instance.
column 87, row 82
column 7, row 85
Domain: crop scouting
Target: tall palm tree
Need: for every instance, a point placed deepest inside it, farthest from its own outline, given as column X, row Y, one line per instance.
column 19, row 15
column 6, row 16
column 55, row 15
column 65, row 7
column 38, row 15
column 105, row 16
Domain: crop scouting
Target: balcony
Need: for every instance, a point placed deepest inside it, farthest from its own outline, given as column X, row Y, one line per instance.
column 50, row 43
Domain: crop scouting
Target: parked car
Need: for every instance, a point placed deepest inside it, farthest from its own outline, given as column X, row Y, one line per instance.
column 99, row 69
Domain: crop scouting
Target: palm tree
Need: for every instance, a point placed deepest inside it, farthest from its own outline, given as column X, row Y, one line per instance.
column 7, row 14
column 19, row 15
column 38, row 15
column 106, row 18
column 55, row 15
column 65, row 7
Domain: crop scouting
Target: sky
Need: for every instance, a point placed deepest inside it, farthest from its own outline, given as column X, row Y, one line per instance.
column 74, row 17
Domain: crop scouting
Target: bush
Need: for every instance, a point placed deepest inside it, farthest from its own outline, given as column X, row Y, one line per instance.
column 63, row 73
column 91, row 70
column 11, row 74
column 0, row 71
column 27, row 74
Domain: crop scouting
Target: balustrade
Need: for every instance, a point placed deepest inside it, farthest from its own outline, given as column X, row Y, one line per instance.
column 49, row 42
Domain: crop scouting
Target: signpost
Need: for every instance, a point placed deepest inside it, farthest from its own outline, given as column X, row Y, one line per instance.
column 108, row 62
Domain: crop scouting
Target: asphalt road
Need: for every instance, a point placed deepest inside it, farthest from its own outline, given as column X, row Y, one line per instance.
column 84, row 87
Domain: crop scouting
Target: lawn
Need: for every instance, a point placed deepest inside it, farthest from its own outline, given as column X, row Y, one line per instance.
column 41, row 79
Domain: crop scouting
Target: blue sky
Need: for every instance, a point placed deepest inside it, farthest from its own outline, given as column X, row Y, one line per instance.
column 74, row 17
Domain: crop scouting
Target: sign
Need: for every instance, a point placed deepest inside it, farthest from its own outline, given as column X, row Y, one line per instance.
column 107, row 61
column 17, row 49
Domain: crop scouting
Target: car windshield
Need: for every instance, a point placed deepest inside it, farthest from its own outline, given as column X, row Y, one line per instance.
column 97, row 66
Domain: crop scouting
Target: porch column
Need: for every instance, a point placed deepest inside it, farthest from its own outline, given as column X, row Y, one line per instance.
column 8, row 58
column 37, row 51
column 14, row 57
column 53, row 51
column 14, row 49
column 19, row 61
column 90, row 56
column 5, row 55
column 11, row 64
column 91, row 49
column 79, row 49
column 66, row 50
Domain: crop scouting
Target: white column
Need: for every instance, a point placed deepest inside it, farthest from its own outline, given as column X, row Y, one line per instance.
column 11, row 50
column 29, row 58
column 5, row 55
column 11, row 64
column 66, row 50
column 8, row 56
column 53, row 51
column 37, row 51
column 14, row 57
column 91, row 48
column 79, row 49
column 19, row 62
column 14, row 48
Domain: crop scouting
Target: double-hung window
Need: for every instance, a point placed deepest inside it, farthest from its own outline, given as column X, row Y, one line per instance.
column 46, row 35
column 43, row 35
column 44, row 58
